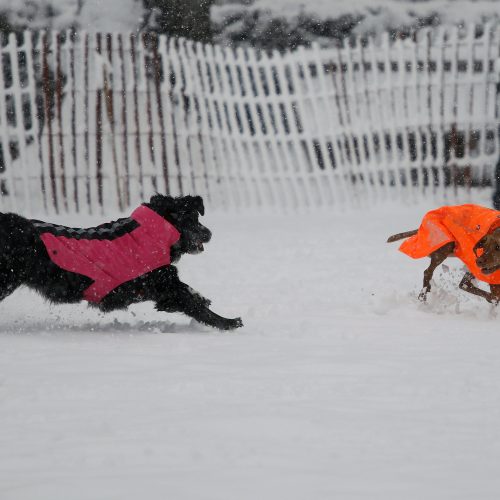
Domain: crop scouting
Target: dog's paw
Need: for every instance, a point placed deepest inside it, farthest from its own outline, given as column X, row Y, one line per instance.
column 231, row 324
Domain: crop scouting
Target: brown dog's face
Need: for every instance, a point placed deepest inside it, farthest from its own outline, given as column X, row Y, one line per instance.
column 487, row 250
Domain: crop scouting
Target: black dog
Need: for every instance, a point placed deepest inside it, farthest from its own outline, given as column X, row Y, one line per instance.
column 25, row 260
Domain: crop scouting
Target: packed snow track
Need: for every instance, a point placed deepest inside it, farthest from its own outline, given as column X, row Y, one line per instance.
column 340, row 385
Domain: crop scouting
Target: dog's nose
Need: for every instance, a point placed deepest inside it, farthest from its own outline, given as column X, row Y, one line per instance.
column 206, row 234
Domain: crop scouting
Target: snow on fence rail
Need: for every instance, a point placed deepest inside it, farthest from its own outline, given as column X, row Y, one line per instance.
column 97, row 123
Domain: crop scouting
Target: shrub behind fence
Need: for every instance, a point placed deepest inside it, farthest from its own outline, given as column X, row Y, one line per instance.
column 95, row 123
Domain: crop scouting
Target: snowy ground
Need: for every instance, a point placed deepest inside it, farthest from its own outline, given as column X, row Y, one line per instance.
column 340, row 385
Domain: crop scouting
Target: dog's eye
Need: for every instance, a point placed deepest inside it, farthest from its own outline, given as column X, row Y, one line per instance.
column 497, row 247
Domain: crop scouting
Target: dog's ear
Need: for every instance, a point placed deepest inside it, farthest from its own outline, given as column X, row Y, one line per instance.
column 161, row 204
column 195, row 203
column 198, row 200
column 479, row 245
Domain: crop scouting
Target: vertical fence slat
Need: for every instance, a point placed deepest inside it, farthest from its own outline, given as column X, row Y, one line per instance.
column 256, row 142
column 252, row 139
column 263, row 131
column 121, row 86
column 48, row 133
column 180, row 124
column 415, row 116
column 267, row 141
column 146, row 115
column 337, row 166
column 172, row 138
column 61, row 157
column 37, row 178
column 236, row 124
column 452, row 118
column 491, row 109
column 306, row 142
column 196, row 139
column 320, row 156
column 438, row 86
column 377, row 118
column 132, row 40
column 368, row 147
column 5, row 132
column 345, row 86
column 225, row 104
column 211, row 86
column 404, row 123
column 297, row 156
column 72, row 86
column 284, row 116
column 19, row 130
column 209, row 168
column 365, row 123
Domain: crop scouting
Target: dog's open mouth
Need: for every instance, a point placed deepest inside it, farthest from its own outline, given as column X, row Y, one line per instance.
column 489, row 270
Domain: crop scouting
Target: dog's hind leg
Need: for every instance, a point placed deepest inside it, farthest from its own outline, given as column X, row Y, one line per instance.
column 437, row 258
column 467, row 286
column 8, row 282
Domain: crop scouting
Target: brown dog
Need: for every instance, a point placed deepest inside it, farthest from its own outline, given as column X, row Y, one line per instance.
column 488, row 262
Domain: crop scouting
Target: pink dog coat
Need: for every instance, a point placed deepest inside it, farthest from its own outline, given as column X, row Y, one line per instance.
column 111, row 254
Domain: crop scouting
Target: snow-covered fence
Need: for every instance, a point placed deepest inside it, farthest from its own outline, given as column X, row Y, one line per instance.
column 98, row 122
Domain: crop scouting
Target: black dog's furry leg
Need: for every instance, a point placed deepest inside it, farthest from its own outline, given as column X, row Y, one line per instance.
column 189, row 302
column 8, row 283
column 208, row 317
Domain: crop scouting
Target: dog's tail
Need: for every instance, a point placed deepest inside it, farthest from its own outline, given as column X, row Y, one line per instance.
column 401, row 236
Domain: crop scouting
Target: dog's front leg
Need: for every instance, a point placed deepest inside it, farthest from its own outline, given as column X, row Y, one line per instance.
column 186, row 300
column 467, row 285
column 437, row 258
column 197, row 296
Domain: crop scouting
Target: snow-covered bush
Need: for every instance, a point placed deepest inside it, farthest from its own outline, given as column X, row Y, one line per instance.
column 262, row 23
column 91, row 15
column 188, row 18
column 287, row 23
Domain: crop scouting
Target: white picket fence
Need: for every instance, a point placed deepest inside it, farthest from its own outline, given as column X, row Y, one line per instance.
column 96, row 123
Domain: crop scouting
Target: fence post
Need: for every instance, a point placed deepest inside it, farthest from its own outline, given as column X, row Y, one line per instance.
column 496, row 194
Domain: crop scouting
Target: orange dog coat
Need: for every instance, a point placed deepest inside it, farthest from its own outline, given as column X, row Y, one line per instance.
column 463, row 224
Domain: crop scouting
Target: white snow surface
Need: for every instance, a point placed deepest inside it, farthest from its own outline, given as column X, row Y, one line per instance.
column 340, row 385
